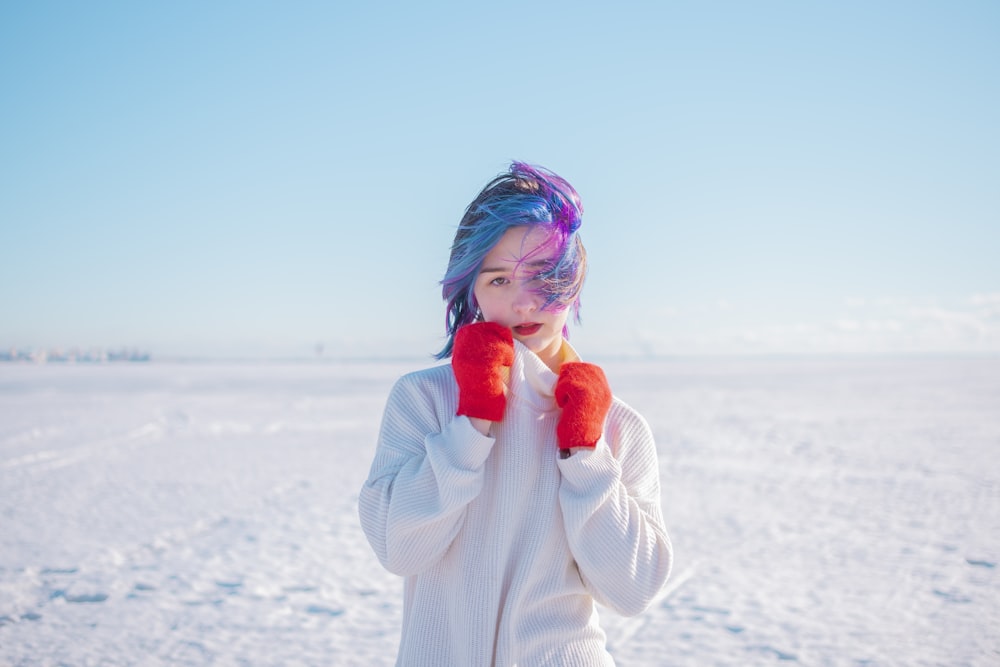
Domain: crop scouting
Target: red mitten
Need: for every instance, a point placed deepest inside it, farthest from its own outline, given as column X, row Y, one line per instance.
column 583, row 394
column 479, row 357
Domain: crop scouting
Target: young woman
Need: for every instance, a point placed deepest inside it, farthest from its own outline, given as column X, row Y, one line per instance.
column 509, row 487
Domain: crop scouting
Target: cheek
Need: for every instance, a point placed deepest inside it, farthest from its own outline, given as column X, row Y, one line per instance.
column 492, row 304
column 560, row 317
column 483, row 301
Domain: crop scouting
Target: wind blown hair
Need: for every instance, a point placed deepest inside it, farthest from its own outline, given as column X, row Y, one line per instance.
column 524, row 196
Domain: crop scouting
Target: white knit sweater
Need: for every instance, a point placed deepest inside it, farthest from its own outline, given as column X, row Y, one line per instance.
column 503, row 545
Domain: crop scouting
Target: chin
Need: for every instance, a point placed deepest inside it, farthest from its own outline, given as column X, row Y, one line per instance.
column 536, row 344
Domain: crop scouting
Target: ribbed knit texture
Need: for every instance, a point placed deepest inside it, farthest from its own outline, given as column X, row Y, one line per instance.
column 504, row 547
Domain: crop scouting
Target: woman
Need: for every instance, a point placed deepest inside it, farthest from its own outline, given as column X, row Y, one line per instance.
column 509, row 487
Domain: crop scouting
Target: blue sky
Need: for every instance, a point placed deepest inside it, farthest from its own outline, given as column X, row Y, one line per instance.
column 251, row 179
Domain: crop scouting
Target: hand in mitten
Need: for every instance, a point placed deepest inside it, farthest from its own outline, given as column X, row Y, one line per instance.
column 583, row 394
column 480, row 357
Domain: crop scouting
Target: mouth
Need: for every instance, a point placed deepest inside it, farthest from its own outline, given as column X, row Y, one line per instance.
column 526, row 329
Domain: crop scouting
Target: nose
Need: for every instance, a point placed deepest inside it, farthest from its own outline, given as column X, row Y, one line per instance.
column 526, row 300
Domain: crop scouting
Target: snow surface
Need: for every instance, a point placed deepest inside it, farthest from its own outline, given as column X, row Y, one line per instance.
column 823, row 512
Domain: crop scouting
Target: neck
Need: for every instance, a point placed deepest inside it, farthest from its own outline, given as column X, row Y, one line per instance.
column 555, row 356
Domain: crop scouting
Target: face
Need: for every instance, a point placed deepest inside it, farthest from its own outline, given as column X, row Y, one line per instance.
column 507, row 293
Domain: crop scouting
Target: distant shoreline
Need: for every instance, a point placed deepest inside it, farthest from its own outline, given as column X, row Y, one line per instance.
column 133, row 357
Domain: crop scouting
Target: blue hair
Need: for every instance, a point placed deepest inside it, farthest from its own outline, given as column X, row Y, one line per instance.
column 524, row 196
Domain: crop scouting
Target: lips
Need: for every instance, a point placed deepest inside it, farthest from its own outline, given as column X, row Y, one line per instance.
column 526, row 329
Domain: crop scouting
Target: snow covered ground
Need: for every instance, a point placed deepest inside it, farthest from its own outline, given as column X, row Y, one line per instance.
column 824, row 512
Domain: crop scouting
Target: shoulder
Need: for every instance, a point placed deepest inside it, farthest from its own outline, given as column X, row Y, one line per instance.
column 625, row 428
column 439, row 377
column 426, row 389
column 420, row 402
column 625, row 416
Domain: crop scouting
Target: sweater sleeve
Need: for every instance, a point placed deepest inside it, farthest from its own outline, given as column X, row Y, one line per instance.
column 610, row 498
column 422, row 478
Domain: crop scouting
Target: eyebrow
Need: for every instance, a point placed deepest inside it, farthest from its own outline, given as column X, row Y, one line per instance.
column 536, row 264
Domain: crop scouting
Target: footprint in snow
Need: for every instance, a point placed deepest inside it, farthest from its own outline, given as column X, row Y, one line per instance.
column 323, row 611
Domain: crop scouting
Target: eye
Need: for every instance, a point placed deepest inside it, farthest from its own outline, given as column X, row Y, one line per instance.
column 499, row 280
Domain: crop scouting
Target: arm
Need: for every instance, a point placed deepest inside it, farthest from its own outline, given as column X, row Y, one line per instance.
column 422, row 479
column 610, row 498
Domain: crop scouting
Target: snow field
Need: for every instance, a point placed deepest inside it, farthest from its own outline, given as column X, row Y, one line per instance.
column 824, row 512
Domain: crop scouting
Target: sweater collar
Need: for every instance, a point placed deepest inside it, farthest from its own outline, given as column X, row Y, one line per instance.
column 532, row 380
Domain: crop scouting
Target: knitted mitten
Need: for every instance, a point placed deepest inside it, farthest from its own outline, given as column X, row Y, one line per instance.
column 479, row 356
column 583, row 394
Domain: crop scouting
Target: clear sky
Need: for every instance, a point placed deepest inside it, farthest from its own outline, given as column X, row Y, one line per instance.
column 251, row 178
